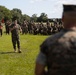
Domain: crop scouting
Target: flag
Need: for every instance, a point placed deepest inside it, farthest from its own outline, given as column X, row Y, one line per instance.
column 2, row 20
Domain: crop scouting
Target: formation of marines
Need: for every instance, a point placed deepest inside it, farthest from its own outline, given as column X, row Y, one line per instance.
column 40, row 28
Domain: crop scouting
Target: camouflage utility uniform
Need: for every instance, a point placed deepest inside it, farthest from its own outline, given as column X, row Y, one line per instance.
column 1, row 29
column 59, row 53
column 15, row 36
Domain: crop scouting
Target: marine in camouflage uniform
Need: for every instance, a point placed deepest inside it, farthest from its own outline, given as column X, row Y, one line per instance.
column 14, row 28
column 58, row 52
column 7, row 23
column 1, row 27
column 24, row 27
column 41, row 28
column 45, row 30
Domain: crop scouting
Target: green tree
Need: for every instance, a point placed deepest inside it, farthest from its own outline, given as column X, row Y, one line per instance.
column 26, row 17
column 34, row 17
column 16, row 13
column 5, row 13
column 43, row 17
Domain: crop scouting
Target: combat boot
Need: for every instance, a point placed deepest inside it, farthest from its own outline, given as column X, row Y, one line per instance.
column 15, row 50
column 19, row 51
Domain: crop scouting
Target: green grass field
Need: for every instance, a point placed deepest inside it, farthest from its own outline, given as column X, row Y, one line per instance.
column 19, row 63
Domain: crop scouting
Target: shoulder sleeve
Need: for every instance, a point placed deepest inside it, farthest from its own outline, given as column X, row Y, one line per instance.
column 49, row 42
column 44, row 46
column 41, row 59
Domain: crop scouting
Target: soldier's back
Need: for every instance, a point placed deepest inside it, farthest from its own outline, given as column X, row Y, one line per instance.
column 60, row 51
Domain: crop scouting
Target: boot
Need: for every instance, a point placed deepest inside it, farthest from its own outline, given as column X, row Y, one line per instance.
column 19, row 51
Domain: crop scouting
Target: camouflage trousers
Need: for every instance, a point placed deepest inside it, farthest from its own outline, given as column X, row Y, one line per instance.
column 1, row 32
column 15, row 40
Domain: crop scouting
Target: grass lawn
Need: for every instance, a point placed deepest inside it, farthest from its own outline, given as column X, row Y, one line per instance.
column 19, row 63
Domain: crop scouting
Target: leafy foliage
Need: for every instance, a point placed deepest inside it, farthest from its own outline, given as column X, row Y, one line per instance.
column 5, row 13
column 17, row 13
column 43, row 17
column 26, row 17
column 34, row 17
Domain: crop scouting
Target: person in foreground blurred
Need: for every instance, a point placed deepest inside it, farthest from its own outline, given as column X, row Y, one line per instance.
column 14, row 28
column 58, row 53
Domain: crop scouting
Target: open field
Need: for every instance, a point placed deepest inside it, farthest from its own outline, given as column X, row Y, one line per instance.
column 19, row 63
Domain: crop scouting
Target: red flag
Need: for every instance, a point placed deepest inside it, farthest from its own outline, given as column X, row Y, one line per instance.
column 2, row 21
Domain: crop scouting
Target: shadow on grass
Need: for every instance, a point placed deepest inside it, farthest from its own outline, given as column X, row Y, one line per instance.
column 6, row 52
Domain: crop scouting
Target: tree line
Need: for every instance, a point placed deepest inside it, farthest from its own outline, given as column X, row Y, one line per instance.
column 7, row 14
